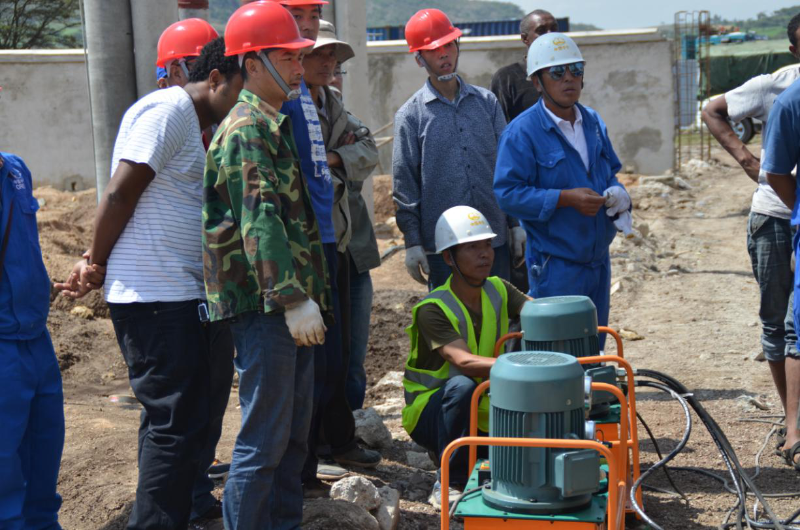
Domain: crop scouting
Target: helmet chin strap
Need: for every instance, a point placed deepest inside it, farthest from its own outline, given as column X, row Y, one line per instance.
column 290, row 94
column 447, row 77
column 458, row 270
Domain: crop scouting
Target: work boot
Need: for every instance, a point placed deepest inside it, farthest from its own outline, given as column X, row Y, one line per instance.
column 435, row 497
column 330, row 470
column 218, row 470
column 359, row 457
column 316, row 489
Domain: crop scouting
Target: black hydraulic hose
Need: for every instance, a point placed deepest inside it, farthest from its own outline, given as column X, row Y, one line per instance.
column 660, row 457
column 678, row 448
column 726, row 451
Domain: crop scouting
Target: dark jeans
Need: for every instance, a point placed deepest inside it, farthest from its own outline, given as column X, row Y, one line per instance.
column 263, row 491
column 769, row 243
column 440, row 270
column 32, row 419
column 360, row 311
column 169, row 356
column 331, row 414
column 219, row 394
column 444, row 419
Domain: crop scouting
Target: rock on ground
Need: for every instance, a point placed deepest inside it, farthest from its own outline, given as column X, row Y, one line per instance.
column 327, row 514
column 357, row 490
column 370, row 428
column 388, row 513
column 420, row 461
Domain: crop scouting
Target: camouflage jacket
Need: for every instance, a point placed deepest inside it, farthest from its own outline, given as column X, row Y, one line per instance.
column 261, row 242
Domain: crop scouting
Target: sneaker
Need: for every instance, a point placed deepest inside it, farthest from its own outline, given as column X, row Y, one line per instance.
column 330, row 470
column 359, row 457
column 435, row 498
column 218, row 470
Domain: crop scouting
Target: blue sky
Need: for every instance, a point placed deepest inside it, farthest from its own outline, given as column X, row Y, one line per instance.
column 618, row 14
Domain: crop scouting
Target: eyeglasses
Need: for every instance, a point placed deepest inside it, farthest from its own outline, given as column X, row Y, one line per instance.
column 557, row 72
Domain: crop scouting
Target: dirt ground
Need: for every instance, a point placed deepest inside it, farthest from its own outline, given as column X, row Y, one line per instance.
column 685, row 287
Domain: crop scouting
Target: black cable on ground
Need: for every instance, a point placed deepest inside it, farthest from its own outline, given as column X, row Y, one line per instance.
column 728, row 455
column 661, row 457
column 661, row 463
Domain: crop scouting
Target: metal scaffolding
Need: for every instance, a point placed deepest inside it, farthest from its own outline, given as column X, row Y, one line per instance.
column 692, row 87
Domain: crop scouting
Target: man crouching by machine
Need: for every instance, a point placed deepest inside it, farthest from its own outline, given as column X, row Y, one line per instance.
column 453, row 334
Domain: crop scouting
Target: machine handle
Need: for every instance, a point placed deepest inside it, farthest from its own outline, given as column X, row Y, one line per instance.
column 473, row 421
column 613, row 333
column 508, row 336
column 474, row 441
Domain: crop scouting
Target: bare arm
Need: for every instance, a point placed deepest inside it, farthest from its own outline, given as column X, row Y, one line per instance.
column 458, row 354
column 715, row 116
column 784, row 186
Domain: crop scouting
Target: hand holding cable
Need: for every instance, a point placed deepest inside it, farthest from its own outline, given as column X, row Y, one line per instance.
column 304, row 321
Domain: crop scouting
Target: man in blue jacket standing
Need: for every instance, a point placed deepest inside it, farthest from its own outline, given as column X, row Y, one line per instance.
column 31, row 397
column 556, row 172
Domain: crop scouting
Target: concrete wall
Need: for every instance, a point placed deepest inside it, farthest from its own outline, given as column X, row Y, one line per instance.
column 44, row 104
column 628, row 81
column 44, row 112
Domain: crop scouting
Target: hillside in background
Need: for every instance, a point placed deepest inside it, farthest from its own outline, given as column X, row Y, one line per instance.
column 772, row 25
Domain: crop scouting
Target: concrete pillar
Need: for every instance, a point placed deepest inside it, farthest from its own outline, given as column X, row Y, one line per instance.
column 193, row 9
column 149, row 18
column 112, row 76
column 350, row 19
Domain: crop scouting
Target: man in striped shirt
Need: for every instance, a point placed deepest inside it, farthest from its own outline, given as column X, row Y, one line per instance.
column 148, row 240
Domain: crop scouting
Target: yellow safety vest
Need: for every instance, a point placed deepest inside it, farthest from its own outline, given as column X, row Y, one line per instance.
column 419, row 385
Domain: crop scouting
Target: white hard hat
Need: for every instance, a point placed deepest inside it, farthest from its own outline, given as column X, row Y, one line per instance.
column 461, row 224
column 552, row 49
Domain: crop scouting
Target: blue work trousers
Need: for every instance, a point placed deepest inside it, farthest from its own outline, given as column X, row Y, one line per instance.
column 32, row 420
column 769, row 243
column 276, row 386
column 440, row 270
column 552, row 276
column 446, row 418
column 361, row 292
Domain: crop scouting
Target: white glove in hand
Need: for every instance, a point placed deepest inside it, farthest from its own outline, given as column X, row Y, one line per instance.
column 617, row 200
column 518, row 239
column 624, row 224
column 416, row 260
column 305, row 323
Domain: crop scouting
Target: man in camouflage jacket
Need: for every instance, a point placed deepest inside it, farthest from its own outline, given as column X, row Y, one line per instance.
column 265, row 271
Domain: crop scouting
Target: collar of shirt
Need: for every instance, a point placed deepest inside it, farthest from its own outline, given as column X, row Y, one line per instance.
column 573, row 132
column 431, row 94
column 252, row 99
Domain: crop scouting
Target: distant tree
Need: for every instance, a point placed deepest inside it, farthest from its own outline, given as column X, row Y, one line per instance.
column 39, row 24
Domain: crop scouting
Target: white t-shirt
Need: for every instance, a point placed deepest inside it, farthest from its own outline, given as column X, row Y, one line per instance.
column 573, row 132
column 754, row 99
column 158, row 257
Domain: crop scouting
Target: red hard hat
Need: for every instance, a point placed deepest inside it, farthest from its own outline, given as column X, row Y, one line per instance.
column 261, row 25
column 429, row 29
column 184, row 38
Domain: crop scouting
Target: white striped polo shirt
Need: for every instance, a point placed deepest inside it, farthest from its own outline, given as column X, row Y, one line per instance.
column 158, row 256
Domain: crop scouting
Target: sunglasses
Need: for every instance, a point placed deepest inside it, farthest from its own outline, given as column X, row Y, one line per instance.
column 557, row 72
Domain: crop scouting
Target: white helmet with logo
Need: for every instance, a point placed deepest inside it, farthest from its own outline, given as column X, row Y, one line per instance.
column 461, row 224
column 552, row 49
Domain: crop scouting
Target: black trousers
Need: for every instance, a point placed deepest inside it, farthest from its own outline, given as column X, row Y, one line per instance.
column 169, row 355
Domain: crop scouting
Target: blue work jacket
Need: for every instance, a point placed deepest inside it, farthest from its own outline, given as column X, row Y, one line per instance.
column 24, row 285
column 535, row 161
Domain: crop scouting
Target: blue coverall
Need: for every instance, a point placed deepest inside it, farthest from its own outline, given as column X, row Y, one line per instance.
column 567, row 252
column 31, row 397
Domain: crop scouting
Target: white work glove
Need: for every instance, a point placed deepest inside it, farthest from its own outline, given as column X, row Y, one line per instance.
column 624, row 224
column 416, row 260
column 617, row 200
column 518, row 239
column 305, row 323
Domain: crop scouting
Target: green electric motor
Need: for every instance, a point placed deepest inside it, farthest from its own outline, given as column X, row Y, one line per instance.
column 568, row 324
column 540, row 395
